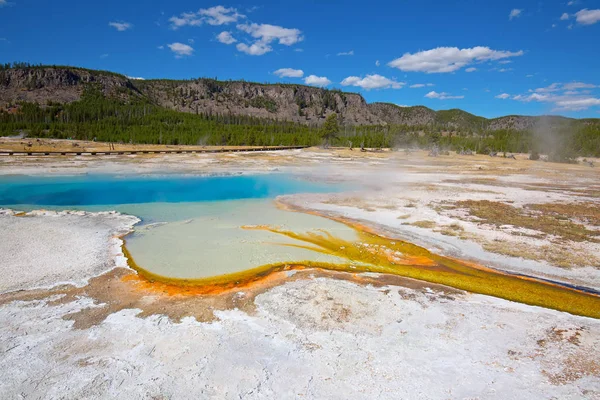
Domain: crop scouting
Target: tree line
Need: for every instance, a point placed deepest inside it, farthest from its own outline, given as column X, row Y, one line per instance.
column 96, row 117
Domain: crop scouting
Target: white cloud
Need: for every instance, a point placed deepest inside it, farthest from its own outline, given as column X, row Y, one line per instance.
column 372, row 82
column 503, row 96
column 579, row 104
column 529, row 76
column 557, row 87
column 136, row 78
column 161, row 47
column 554, row 87
column 226, row 38
column 268, row 33
column 448, row 59
column 377, row 63
column 420, row 85
column 217, row 15
column 578, row 85
column 514, row 13
column 120, row 26
column 298, row 50
column 568, row 100
column 289, row 73
column 101, row 55
column 184, row 19
column 572, row 2
column 564, row 17
column 181, row 49
column 255, row 49
column 442, row 96
column 587, row 17
column 346, row 53
column 4, row 3
column 220, row 15
column 471, row 69
column 317, row 80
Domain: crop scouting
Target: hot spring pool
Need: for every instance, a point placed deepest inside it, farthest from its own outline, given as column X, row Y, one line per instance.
column 191, row 226
column 213, row 229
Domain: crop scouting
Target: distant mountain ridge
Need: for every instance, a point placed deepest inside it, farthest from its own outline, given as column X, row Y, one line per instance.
column 289, row 102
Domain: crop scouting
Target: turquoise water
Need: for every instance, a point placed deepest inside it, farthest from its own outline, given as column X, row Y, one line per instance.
column 95, row 190
column 191, row 226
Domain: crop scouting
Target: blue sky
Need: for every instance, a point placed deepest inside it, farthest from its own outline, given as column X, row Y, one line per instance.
column 490, row 58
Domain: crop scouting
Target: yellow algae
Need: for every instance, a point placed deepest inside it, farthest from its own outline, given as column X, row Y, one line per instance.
column 375, row 253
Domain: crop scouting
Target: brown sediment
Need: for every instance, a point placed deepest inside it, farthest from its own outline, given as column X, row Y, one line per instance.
column 122, row 289
column 549, row 219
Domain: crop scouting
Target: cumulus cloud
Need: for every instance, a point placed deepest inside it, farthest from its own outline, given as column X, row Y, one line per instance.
column 317, row 80
column 448, row 59
column 442, row 96
column 557, row 87
column 564, row 97
column 576, row 104
column 255, row 49
column 120, row 25
column 226, row 38
column 267, row 33
column 587, row 17
column 564, row 17
column 372, row 82
column 346, row 53
column 514, row 13
column 471, row 69
column 289, row 73
column 181, row 49
column 217, row 15
column 4, row 3
column 220, row 15
column 503, row 96
column 377, row 63
column 420, row 85
column 578, row 85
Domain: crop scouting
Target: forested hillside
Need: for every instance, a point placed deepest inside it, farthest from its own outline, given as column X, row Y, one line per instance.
column 67, row 102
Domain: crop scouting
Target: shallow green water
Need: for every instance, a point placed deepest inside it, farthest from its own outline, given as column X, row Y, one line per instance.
column 206, row 239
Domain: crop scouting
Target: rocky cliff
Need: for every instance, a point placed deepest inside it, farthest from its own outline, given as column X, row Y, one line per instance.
column 296, row 103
